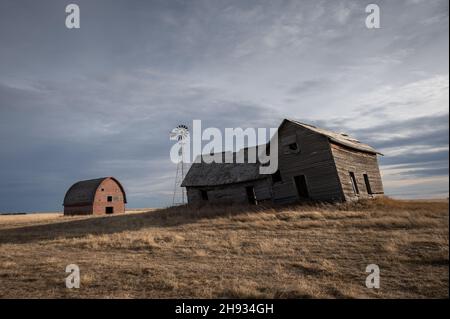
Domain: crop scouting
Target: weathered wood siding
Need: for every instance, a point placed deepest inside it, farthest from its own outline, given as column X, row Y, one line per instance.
column 349, row 160
column 306, row 152
column 230, row 193
column 314, row 160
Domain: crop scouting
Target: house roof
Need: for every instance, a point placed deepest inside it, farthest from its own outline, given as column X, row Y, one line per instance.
column 83, row 192
column 212, row 174
column 338, row 138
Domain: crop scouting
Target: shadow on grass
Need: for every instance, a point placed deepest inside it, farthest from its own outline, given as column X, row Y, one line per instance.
column 67, row 227
column 175, row 216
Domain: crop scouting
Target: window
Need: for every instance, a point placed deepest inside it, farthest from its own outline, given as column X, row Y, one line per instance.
column 354, row 184
column 109, row 198
column 276, row 177
column 290, row 144
column 366, row 180
column 204, row 194
column 293, row 147
column 109, row 210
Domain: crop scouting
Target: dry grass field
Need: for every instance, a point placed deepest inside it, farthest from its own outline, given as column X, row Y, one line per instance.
column 309, row 251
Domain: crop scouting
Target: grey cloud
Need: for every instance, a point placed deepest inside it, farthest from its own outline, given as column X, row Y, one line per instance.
column 309, row 86
column 101, row 100
column 425, row 165
column 427, row 172
column 432, row 131
column 415, row 158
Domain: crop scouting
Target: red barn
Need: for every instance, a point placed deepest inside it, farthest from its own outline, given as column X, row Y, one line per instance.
column 95, row 196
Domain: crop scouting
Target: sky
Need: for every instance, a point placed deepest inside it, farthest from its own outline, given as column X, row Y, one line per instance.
column 101, row 100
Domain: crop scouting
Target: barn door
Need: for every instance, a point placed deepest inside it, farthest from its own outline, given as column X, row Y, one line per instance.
column 301, row 186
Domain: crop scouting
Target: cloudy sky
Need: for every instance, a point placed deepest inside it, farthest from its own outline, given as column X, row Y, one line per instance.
column 101, row 100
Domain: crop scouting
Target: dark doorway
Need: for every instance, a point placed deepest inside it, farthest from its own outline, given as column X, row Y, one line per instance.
column 109, row 210
column 301, row 186
column 251, row 195
column 204, row 194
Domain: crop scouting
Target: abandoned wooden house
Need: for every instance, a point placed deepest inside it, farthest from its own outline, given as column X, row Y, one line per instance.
column 95, row 196
column 313, row 164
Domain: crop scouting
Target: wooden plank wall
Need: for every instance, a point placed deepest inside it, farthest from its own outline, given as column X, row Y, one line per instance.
column 314, row 160
column 231, row 193
column 348, row 160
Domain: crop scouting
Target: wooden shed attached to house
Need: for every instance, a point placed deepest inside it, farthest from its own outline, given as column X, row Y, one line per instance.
column 313, row 164
column 226, row 183
column 95, row 196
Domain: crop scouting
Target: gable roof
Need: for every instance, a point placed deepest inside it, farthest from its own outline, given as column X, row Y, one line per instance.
column 83, row 192
column 338, row 138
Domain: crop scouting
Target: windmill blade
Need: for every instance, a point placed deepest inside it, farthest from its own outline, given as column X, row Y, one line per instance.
column 179, row 133
column 173, row 135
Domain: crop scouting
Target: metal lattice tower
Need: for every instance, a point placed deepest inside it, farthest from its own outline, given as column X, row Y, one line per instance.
column 181, row 135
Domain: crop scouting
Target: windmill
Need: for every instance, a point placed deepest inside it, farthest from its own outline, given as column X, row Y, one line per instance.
column 181, row 135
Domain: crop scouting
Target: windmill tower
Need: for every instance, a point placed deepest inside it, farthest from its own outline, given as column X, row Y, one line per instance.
column 181, row 135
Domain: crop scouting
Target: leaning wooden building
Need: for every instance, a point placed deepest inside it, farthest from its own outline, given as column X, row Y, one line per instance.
column 313, row 164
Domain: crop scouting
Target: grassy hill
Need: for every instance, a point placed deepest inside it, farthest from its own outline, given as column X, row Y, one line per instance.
column 309, row 251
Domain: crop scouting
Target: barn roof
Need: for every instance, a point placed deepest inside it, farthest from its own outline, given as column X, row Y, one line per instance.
column 83, row 192
column 338, row 138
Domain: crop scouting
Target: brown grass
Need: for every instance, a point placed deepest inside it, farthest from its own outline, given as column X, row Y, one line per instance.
column 309, row 251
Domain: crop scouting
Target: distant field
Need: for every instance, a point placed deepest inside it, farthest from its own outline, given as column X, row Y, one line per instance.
column 17, row 220
column 309, row 251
